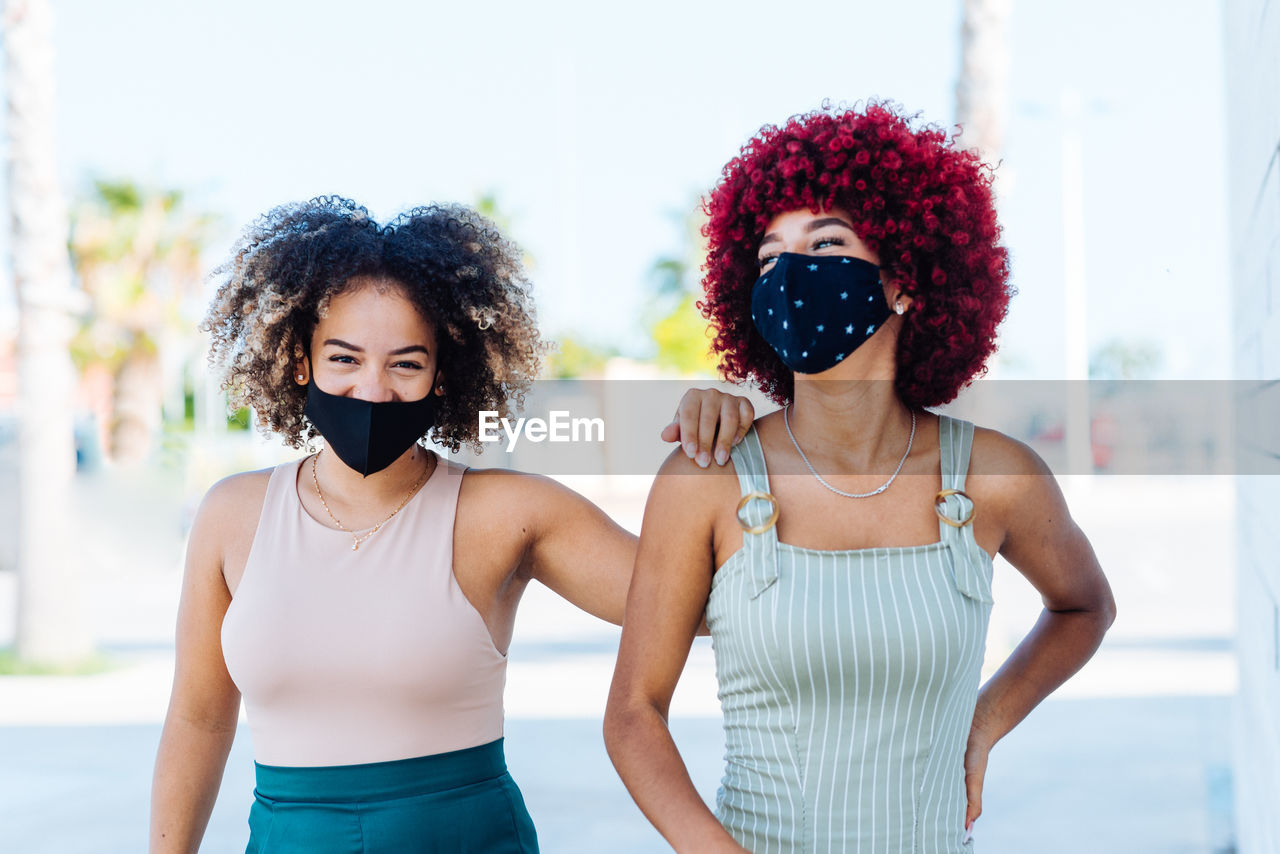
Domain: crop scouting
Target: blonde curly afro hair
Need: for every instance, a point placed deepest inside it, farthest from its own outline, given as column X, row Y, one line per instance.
column 457, row 269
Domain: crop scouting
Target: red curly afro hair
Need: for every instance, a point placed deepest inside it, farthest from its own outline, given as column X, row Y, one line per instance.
column 925, row 206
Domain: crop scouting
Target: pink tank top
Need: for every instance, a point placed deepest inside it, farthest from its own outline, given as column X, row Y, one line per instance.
column 346, row 657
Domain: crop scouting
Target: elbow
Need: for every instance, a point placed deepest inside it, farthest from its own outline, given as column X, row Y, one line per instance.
column 615, row 732
column 624, row 720
column 1100, row 604
column 611, row 730
column 1108, row 611
column 617, row 723
column 1101, row 612
column 1106, row 606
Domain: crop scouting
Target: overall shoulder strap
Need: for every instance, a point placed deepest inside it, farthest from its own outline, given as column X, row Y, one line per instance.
column 955, row 441
column 757, row 512
column 956, row 510
column 748, row 461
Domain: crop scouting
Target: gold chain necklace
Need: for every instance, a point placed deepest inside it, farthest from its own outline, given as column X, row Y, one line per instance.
column 359, row 537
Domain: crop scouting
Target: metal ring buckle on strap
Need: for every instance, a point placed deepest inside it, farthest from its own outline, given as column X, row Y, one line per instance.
column 942, row 496
column 766, row 524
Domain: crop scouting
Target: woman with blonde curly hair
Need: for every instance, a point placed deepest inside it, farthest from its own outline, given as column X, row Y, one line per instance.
column 361, row 599
column 855, row 274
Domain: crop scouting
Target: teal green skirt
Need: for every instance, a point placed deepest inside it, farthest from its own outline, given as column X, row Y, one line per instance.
column 462, row 801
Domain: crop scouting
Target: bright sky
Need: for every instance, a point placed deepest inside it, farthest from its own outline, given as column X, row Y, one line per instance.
column 597, row 129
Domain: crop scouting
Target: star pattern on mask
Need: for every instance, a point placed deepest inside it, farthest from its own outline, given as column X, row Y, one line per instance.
column 797, row 308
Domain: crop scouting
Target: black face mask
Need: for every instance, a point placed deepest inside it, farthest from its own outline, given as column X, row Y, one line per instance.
column 814, row 310
column 368, row 436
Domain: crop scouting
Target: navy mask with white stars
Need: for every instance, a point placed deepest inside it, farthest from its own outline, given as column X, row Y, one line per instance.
column 815, row 310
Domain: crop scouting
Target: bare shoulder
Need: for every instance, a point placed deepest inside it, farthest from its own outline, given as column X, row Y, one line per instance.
column 502, row 511
column 702, row 502
column 234, row 499
column 1012, row 480
column 225, row 525
column 995, row 453
column 508, row 493
column 680, row 476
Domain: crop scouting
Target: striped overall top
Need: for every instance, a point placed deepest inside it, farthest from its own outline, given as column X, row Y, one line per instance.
column 848, row 679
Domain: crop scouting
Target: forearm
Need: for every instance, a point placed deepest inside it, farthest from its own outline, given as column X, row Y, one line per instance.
column 640, row 745
column 1059, row 645
column 184, row 787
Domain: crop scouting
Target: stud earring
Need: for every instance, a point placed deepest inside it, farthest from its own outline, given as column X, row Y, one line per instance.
column 899, row 307
column 301, row 377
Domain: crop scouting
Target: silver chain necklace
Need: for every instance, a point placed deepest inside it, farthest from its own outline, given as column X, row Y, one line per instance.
column 786, row 419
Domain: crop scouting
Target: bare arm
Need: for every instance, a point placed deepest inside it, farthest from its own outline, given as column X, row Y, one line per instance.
column 1043, row 542
column 668, row 595
column 201, row 721
column 576, row 549
column 586, row 557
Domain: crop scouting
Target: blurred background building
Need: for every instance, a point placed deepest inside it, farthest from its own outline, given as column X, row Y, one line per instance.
column 1253, row 109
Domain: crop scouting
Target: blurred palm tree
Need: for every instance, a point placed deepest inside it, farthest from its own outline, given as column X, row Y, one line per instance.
column 137, row 255
column 574, row 358
column 677, row 327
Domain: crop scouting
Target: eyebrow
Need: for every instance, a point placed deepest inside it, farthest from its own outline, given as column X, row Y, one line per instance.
column 812, row 226
column 412, row 348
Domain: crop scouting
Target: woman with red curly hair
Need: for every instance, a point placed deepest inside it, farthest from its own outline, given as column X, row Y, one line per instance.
column 855, row 275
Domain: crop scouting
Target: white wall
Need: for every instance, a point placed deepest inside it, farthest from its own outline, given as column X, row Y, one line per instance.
column 1252, row 32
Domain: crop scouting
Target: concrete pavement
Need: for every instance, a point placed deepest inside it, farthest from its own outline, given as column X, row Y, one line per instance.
column 1125, row 775
column 1132, row 755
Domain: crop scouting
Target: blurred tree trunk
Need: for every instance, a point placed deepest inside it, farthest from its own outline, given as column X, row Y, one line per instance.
column 137, row 406
column 982, row 92
column 50, row 622
column 982, row 105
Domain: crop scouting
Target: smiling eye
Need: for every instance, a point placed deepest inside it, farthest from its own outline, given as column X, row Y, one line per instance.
column 407, row 364
column 767, row 261
column 824, row 242
column 343, row 358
